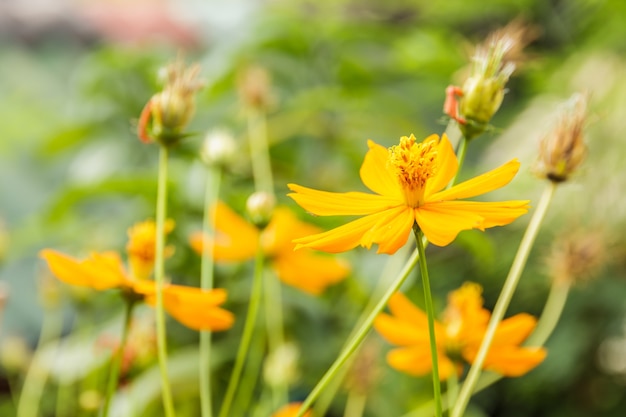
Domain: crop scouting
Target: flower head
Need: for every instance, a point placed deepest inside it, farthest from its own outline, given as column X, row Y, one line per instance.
column 168, row 112
column 193, row 307
column 563, row 149
column 409, row 181
column 238, row 240
column 141, row 247
column 458, row 336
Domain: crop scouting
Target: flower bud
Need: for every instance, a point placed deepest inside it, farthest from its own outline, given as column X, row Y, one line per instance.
column 563, row 149
column 168, row 112
column 260, row 207
column 577, row 256
column 218, row 148
column 254, row 85
column 281, row 366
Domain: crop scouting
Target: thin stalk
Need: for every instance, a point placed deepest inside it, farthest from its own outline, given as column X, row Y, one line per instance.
column 259, row 152
column 504, row 299
column 275, row 335
column 248, row 330
column 452, row 390
column 159, row 278
column 363, row 330
column 551, row 313
column 35, row 380
column 430, row 313
column 460, row 156
column 214, row 176
column 116, row 362
column 355, row 404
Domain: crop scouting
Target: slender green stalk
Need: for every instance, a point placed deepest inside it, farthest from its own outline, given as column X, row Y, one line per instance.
column 248, row 330
column 504, row 299
column 259, row 152
column 159, row 277
column 460, row 156
column 430, row 313
column 452, row 390
column 116, row 362
column 214, row 177
column 35, row 380
column 363, row 330
column 275, row 333
column 551, row 314
column 355, row 404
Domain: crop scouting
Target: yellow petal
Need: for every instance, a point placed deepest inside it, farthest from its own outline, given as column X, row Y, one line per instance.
column 401, row 332
column 324, row 203
column 391, row 231
column 401, row 307
column 376, row 176
column 196, row 308
column 342, row 238
column 514, row 330
column 447, row 167
column 441, row 224
column 513, row 361
column 481, row 184
column 290, row 410
column 309, row 272
column 277, row 238
column 101, row 273
column 416, row 361
column 496, row 213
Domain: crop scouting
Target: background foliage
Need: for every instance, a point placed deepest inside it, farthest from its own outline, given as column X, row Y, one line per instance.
column 74, row 177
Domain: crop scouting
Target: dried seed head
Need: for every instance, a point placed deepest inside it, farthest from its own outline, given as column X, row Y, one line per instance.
column 255, row 85
column 577, row 256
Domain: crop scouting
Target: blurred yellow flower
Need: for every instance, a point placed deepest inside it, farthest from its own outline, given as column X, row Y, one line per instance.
column 193, row 307
column 409, row 181
column 290, row 410
column 238, row 240
column 458, row 336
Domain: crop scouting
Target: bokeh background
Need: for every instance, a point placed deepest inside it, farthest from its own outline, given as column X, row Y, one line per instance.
column 74, row 76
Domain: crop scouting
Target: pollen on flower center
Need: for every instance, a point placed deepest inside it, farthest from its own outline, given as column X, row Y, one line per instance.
column 413, row 164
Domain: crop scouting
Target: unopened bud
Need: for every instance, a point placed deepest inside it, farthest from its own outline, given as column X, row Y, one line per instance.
column 281, row 366
column 260, row 207
column 168, row 112
column 563, row 149
column 218, row 149
column 254, row 85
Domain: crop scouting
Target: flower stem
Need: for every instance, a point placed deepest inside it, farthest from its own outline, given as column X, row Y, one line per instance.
column 275, row 334
column 248, row 330
column 460, row 156
column 259, row 152
column 504, row 299
column 159, row 278
column 360, row 334
column 551, row 313
column 116, row 362
column 355, row 404
column 214, row 177
column 430, row 313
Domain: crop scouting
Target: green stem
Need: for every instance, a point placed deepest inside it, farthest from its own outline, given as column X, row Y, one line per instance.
column 116, row 362
column 248, row 330
column 453, row 390
column 504, row 299
column 363, row 330
column 206, row 283
column 35, row 380
column 430, row 313
column 460, row 156
column 355, row 404
column 159, row 277
column 259, row 152
column 275, row 334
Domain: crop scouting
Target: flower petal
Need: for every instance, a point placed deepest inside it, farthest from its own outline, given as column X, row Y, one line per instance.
column 513, row 361
column 196, row 308
column 309, row 272
column 514, row 330
column 342, row 238
column 375, row 175
column 447, row 167
column 441, row 224
column 481, row 184
column 391, row 231
column 416, row 360
column 494, row 213
column 324, row 203
column 277, row 238
column 401, row 332
column 101, row 272
column 235, row 238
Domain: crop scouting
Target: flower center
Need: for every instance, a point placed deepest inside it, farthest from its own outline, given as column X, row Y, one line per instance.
column 413, row 164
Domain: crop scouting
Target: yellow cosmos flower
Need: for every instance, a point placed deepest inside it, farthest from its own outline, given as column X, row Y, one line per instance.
column 193, row 307
column 458, row 336
column 290, row 410
column 409, row 180
column 237, row 240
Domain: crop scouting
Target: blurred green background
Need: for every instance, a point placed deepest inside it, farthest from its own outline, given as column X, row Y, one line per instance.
column 73, row 176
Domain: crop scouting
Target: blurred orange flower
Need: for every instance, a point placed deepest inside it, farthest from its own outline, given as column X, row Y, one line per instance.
column 193, row 307
column 290, row 410
column 458, row 336
column 238, row 240
column 409, row 181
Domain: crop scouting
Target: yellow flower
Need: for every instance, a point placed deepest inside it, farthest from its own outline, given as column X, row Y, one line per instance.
column 238, row 240
column 458, row 336
column 410, row 181
column 193, row 307
column 141, row 247
column 290, row 410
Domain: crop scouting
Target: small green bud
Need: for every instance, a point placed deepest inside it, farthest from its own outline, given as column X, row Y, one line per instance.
column 260, row 207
